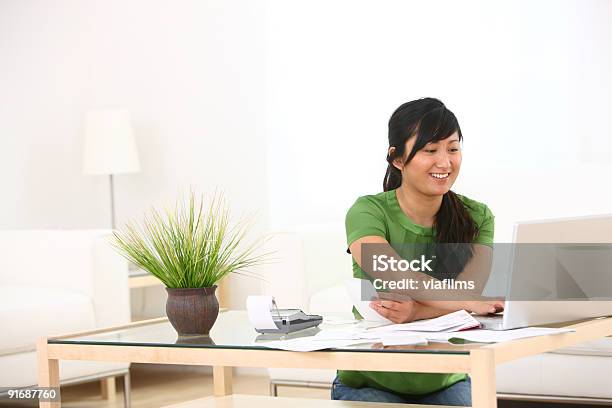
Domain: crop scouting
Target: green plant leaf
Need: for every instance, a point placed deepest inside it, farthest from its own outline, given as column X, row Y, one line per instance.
column 190, row 246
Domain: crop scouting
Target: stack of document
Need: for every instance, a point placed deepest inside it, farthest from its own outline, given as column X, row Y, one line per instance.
column 452, row 322
column 495, row 336
column 307, row 344
column 456, row 325
column 403, row 339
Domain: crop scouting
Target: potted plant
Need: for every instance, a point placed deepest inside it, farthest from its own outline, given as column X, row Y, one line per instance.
column 190, row 249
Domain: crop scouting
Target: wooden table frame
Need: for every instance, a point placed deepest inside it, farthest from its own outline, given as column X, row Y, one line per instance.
column 479, row 363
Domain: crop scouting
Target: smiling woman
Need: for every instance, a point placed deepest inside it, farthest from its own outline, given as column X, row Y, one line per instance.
column 418, row 207
column 425, row 155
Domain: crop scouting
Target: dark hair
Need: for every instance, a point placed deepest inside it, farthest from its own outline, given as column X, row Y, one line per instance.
column 429, row 121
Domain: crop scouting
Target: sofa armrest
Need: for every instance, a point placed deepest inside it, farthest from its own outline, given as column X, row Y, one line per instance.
column 110, row 285
column 81, row 261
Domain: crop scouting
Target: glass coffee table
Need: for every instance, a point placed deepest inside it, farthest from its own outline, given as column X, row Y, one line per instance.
column 234, row 343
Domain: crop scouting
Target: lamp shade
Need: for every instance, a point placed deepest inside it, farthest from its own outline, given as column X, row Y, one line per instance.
column 109, row 147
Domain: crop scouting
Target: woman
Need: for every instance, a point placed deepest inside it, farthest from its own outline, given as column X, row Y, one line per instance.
column 418, row 207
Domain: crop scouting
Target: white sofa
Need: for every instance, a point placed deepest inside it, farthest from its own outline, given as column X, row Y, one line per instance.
column 311, row 268
column 312, row 265
column 57, row 282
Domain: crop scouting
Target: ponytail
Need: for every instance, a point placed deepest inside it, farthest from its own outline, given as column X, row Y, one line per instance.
column 453, row 223
column 393, row 178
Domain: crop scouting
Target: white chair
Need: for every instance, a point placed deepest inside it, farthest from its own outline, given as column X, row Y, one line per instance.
column 57, row 282
column 312, row 266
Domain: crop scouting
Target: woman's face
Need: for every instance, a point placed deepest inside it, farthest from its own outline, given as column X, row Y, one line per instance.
column 433, row 169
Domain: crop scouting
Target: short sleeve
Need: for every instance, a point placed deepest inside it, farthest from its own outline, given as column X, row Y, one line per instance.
column 486, row 229
column 364, row 218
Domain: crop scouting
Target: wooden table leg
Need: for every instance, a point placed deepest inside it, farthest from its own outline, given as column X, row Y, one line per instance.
column 482, row 373
column 48, row 372
column 222, row 378
column 108, row 389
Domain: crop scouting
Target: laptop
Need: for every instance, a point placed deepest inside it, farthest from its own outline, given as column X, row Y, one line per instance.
column 578, row 230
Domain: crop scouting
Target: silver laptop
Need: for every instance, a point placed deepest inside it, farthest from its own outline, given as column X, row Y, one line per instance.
column 579, row 230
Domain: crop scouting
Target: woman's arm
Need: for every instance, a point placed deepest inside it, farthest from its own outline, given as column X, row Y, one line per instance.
column 406, row 311
column 476, row 269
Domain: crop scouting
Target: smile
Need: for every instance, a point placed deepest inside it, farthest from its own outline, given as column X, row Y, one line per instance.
column 439, row 175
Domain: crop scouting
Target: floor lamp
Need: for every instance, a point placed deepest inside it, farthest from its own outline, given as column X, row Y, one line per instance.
column 109, row 147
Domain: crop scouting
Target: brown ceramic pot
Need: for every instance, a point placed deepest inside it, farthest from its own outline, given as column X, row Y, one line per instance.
column 192, row 312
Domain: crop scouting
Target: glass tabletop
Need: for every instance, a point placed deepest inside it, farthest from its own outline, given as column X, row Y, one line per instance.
column 232, row 330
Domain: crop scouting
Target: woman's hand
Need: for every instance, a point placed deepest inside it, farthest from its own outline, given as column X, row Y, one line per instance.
column 405, row 311
column 484, row 307
column 396, row 311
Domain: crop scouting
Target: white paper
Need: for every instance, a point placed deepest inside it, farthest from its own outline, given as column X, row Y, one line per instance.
column 337, row 320
column 404, row 339
column 348, row 333
column 259, row 309
column 368, row 335
column 338, row 334
column 455, row 321
column 354, row 288
column 337, row 337
column 496, row 336
column 307, row 344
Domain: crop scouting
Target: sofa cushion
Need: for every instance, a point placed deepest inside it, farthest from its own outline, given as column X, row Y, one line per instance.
column 28, row 313
column 573, row 375
column 599, row 347
column 555, row 374
column 522, row 376
column 23, row 370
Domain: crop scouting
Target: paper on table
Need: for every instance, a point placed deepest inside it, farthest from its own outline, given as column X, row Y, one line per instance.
column 337, row 320
column 338, row 334
column 495, row 336
column 307, row 344
column 390, row 339
column 355, row 287
column 403, row 339
column 333, row 338
column 259, row 311
column 455, row 321
column 347, row 334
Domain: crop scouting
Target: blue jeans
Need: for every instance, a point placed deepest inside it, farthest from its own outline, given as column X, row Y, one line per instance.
column 458, row 394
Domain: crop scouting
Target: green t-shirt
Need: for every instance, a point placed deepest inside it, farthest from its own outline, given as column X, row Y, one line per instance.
column 381, row 215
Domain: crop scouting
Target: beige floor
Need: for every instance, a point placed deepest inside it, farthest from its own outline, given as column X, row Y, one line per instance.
column 155, row 386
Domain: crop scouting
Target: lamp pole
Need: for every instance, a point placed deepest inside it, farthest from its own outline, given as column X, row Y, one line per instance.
column 112, row 201
column 109, row 148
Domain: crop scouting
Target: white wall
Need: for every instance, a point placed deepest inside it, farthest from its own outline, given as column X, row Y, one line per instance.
column 191, row 74
column 529, row 82
column 284, row 104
